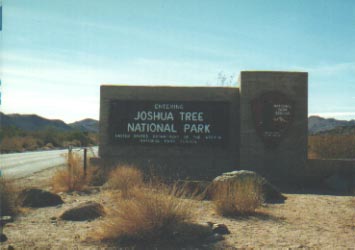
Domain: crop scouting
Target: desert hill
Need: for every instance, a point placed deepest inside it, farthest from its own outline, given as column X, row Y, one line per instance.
column 318, row 124
column 35, row 123
column 88, row 125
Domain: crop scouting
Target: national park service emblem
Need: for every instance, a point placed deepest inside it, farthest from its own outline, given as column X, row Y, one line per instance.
column 273, row 114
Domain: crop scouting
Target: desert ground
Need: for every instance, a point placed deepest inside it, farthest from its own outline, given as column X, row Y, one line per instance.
column 304, row 221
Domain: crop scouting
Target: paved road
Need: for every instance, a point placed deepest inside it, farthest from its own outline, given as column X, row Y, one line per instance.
column 19, row 165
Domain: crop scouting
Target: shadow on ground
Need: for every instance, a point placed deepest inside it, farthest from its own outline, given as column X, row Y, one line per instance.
column 317, row 188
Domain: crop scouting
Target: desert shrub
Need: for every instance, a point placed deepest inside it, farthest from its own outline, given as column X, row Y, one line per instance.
column 332, row 146
column 14, row 139
column 12, row 144
column 18, row 144
column 8, row 196
column 82, row 137
column 191, row 189
column 125, row 178
column 50, row 135
column 30, row 143
column 151, row 216
column 73, row 177
column 237, row 198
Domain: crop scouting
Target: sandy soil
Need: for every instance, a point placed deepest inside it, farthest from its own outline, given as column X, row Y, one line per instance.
column 303, row 221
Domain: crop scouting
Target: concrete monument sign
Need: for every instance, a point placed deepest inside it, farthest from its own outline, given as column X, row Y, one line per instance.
column 178, row 131
column 201, row 132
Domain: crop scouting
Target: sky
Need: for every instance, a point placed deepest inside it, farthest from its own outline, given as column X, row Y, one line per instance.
column 56, row 54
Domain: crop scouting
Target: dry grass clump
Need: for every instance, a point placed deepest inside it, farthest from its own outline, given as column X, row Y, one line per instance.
column 125, row 178
column 149, row 214
column 8, row 196
column 195, row 190
column 237, row 198
column 152, row 217
column 73, row 177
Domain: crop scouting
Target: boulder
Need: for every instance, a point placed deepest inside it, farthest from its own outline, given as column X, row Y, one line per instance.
column 39, row 198
column 270, row 192
column 214, row 238
column 3, row 237
column 85, row 211
column 218, row 228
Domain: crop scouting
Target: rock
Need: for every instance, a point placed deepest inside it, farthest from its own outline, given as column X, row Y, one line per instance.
column 214, row 238
column 39, row 198
column 85, row 211
column 88, row 191
column 270, row 192
column 220, row 229
column 3, row 238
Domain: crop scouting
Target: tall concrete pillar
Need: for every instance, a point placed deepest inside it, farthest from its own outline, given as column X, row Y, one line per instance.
column 273, row 122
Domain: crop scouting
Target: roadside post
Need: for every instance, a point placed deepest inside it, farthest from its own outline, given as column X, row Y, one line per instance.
column 85, row 162
column 70, row 149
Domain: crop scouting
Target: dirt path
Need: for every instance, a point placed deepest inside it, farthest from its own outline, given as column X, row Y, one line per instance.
column 303, row 221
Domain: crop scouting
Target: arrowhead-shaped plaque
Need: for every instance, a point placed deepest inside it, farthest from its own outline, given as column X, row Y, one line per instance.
column 273, row 114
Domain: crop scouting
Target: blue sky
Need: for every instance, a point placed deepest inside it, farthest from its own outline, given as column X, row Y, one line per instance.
column 55, row 54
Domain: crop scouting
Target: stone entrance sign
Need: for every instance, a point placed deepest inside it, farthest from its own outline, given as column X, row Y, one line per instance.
column 175, row 131
column 273, row 114
column 201, row 132
column 169, row 123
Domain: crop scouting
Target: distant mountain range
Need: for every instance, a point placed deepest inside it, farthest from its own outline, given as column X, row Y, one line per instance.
column 35, row 123
column 89, row 125
column 316, row 124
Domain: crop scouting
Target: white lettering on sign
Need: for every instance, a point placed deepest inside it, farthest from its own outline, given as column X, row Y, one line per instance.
column 272, row 134
column 126, row 136
column 151, row 127
column 169, row 106
column 191, row 116
column 154, row 116
column 282, row 109
column 197, row 128
column 152, row 122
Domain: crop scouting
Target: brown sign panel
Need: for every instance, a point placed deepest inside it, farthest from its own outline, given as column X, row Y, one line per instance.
column 169, row 123
column 273, row 114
